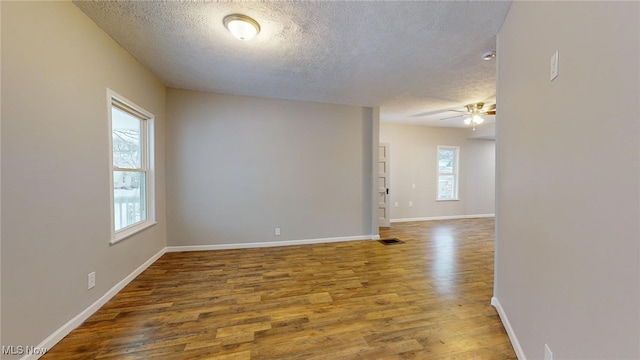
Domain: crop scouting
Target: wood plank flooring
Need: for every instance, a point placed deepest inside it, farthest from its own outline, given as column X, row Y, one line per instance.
column 428, row 298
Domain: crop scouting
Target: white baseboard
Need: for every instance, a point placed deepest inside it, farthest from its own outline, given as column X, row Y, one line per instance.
column 65, row 329
column 268, row 243
column 451, row 217
column 375, row 237
column 507, row 326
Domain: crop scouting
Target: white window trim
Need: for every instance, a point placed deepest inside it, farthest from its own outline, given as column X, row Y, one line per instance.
column 147, row 158
column 456, row 171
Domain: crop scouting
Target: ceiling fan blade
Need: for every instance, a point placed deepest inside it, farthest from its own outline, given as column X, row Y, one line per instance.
column 453, row 117
column 490, row 112
column 436, row 112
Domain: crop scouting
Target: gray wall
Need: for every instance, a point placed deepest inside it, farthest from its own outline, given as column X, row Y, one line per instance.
column 240, row 166
column 568, row 172
column 56, row 67
column 414, row 161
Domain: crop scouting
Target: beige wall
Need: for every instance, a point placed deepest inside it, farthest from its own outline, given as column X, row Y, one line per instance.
column 56, row 67
column 238, row 167
column 0, row 177
column 568, row 172
column 414, row 161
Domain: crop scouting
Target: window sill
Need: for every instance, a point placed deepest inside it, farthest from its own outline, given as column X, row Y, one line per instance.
column 131, row 231
column 447, row 199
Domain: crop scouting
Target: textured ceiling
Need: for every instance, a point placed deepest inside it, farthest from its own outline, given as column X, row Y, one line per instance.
column 406, row 57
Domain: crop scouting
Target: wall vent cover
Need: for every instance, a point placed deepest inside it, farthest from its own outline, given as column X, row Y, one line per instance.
column 391, row 241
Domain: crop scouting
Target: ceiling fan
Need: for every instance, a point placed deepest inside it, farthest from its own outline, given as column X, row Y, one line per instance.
column 473, row 113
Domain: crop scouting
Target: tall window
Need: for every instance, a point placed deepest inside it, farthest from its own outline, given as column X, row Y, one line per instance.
column 448, row 172
column 132, row 178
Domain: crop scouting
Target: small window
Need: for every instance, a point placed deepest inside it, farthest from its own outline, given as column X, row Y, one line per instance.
column 132, row 180
column 448, row 172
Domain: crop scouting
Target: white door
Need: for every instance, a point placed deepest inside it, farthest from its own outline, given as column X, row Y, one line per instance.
column 383, row 185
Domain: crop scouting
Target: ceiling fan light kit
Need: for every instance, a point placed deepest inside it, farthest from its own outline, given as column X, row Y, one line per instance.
column 474, row 111
column 474, row 120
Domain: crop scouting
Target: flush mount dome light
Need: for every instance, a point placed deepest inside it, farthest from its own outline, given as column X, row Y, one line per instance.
column 488, row 55
column 241, row 27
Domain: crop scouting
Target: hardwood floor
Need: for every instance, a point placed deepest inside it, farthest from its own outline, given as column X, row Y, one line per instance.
column 428, row 298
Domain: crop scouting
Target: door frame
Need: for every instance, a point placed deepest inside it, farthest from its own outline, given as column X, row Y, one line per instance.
column 384, row 171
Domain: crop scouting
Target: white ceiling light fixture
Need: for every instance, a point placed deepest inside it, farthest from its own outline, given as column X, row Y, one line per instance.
column 488, row 55
column 241, row 26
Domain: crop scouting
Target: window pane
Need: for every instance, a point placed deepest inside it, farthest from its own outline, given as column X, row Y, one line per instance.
column 129, row 195
column 446, row 187
column 127, row 144
column 445, row 161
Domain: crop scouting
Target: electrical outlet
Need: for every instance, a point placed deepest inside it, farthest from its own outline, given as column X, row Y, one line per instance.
column 395, row 204
column 91, row 283
column 410, row 203
column 548, row 355
column 413, row 186
column 277, row 231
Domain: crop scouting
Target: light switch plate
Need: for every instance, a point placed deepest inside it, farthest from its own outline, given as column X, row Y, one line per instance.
column 554, row 66
column 548, row 355
column 91, row 280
